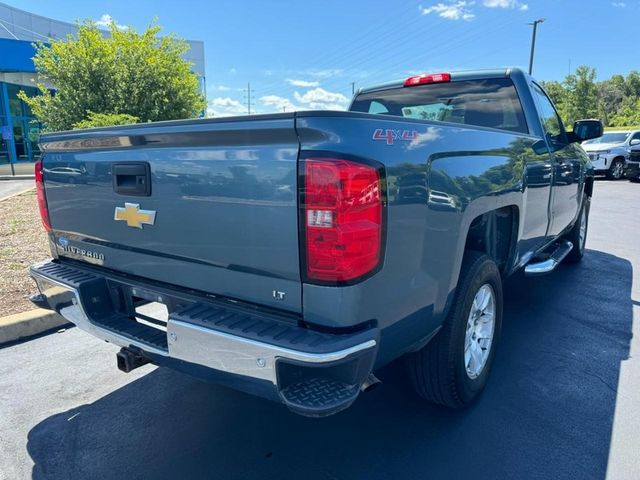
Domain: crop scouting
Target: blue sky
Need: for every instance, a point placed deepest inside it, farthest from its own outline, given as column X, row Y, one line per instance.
column 306, row 53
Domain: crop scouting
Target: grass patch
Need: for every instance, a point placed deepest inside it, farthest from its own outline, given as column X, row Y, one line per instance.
column 14, row 225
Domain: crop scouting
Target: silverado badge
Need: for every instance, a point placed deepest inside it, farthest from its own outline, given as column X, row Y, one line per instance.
column 135, row 217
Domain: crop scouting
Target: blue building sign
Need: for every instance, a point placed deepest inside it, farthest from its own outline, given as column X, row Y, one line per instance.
column 16, row 56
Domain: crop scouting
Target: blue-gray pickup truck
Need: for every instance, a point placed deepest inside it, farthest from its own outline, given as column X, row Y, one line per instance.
column 293, row 255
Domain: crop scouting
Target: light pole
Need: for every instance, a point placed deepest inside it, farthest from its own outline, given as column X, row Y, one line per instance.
column 533, row 42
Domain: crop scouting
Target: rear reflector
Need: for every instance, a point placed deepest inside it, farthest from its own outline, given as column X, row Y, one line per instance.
column 42, row 200
column 343, row 219
column 427, row 78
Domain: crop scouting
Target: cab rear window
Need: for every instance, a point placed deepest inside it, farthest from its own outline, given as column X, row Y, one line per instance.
column 492, row 103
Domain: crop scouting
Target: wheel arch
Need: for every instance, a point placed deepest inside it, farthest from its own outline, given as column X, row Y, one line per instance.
column 495, row 233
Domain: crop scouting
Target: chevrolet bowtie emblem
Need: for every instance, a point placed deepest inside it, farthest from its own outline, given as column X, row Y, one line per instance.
column 135, row 217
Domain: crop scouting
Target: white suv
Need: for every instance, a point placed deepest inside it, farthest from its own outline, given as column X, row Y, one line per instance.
column 609, row 153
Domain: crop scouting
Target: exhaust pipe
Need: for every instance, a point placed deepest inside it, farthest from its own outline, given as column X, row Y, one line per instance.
column 129, row 360
column 370, row 383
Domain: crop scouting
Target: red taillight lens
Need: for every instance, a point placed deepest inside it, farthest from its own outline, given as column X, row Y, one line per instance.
column 342, row 219
column 427, row 78
column 42, row 200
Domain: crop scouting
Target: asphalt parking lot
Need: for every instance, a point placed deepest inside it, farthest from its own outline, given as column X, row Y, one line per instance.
column 563, row 401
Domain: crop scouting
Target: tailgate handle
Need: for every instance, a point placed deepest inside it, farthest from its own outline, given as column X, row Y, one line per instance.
column 131, row 178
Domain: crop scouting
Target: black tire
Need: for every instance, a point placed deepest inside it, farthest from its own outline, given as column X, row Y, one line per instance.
column 577, row 252
column 634, row 180
column 438, row 371
column 616, row 170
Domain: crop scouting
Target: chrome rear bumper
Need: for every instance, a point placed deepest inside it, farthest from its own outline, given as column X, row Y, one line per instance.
column 194, row 336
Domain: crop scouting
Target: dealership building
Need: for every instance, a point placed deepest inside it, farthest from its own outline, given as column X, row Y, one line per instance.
column 20, row 132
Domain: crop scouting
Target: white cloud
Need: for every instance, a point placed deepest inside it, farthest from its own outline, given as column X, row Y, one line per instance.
column 279, row 104
column 619, row 4
column 106, row 20
column 319, row 96
column 302, row 83
column 505, row 4
column 451, row 11
column 463, row 9
column 327, row 106
column 219, row 88
column 225, row 107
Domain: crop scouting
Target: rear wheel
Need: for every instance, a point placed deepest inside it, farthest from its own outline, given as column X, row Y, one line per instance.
column 453, row 368
column 616, row 170
column 578, row 233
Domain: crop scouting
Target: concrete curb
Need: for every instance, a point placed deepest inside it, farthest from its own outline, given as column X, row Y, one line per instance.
column 28, row 324
column 2, row 199
column 17, row 177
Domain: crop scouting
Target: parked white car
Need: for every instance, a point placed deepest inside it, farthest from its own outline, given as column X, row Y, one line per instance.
column 610, row 152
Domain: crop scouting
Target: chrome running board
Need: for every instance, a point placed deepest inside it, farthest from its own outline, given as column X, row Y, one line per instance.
column 550, row 264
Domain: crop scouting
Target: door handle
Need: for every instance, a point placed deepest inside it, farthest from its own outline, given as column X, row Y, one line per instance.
column 133, row 178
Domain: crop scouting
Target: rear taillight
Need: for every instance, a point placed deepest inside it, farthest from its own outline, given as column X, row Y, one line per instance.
column 42, row 200
column 343, row 215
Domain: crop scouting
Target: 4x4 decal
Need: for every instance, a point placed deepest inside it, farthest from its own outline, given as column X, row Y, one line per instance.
column 390, row 135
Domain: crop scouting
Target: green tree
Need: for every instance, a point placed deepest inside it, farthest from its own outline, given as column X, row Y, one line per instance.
column 105, row 120
column 557, row 93
column 140, row 75
column 582, row 95
column 632, row 83
column 611, row 93
column 629, row 113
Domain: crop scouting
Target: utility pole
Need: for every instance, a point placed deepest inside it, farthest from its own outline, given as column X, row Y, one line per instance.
column 247, row 96
column 533, row 42
column 353, row 88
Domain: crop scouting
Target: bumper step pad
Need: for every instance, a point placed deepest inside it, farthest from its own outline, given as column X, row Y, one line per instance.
column 262, row 327
column 319, row 395
column 137, row 332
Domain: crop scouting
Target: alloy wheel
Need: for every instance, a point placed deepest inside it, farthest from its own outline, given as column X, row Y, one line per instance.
column 480, row 331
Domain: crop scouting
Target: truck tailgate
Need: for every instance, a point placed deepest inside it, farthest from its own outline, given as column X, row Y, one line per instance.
column 220, row 215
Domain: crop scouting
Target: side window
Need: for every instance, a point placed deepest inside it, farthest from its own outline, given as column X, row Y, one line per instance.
column 550, row 119
column 377, row 107
column 636, row 136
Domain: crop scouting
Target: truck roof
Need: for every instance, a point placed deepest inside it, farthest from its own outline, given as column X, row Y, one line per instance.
column 459, row 75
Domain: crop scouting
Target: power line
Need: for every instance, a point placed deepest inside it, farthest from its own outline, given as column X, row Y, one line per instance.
column 361, row 43
column 388, row 58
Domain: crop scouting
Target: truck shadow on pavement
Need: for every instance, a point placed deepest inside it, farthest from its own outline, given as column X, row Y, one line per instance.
column 547, row 411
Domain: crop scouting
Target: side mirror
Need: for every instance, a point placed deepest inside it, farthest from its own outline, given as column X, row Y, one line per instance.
column 635, row 142
column 586, row 130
